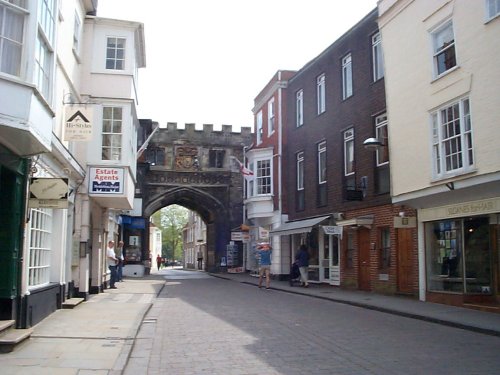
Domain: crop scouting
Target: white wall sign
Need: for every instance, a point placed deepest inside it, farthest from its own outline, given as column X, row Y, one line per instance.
column 78, row 124
column 103, row 180
column 263, row 233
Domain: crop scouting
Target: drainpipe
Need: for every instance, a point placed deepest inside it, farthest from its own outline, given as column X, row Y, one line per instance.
column 280, row 161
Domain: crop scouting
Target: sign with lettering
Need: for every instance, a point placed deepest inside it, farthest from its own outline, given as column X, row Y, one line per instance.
column 48, row 193
column 78, row 124
column 479, row 207
column 103, row 180
column 332, row 230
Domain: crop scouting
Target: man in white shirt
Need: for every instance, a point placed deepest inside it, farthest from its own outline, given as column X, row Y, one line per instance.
column 112, row 264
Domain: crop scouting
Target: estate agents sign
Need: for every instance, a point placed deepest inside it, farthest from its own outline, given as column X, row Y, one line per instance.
column 103, row 180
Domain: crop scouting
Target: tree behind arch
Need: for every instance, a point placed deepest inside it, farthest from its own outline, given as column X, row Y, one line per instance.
column 171, row 220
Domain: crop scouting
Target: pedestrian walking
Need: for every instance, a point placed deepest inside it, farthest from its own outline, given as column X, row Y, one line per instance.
column 121, row 260
column 112, row 264
column 199, row 257
column 158, row 262
column 302, row 259
column 264, row 253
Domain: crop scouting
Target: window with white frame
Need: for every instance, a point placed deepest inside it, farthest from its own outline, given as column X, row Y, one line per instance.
column 299, row 108
column 11, row 37
column 112, row 133
column 300, row 170
column 443, row 41
column 378, row 58
column 347, row 76
column 263, row 177
column 43, row 65
column 44, row 50
column 492, row 8
column 321, row 93
column 349, row 152
column 300, row 196
column 115, row 53
column 270, row 117
column 452, row 139
column 322, row 162
column 47, row 17
column 259, row 129
column 40, row 243
column 381, row 134
column 77, row 33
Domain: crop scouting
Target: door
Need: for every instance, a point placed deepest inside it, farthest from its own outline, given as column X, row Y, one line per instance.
column 325, row 244
column 11, row 219
column 334, row 260
column 364, row 259
column 404, row 265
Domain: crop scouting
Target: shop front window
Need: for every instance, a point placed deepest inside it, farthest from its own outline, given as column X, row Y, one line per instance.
column 477, row 256
column 458, row 256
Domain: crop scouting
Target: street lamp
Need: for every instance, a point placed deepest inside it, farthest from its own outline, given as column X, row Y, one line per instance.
column 372, row 144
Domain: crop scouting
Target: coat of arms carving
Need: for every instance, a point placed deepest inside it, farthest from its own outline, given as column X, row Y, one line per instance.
column 186, row 158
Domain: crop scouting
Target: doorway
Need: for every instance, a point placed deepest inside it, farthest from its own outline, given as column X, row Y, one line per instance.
column 404, row 263
column 364, row 259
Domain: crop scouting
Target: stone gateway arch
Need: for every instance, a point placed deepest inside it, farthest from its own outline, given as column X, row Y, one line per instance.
column 196, row 169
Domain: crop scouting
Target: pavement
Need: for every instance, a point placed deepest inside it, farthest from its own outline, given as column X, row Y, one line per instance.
column 97, row 336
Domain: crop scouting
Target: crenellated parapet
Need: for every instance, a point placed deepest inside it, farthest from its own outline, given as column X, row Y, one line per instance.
column 224, row 136
column 190, row 149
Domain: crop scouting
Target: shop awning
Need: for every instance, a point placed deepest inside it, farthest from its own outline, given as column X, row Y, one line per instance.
column 299, row 226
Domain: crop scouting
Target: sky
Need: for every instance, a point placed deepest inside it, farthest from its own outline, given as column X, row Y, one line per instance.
column 207, row 60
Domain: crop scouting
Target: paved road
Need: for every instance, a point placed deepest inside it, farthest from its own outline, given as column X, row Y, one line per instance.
column 205, row 325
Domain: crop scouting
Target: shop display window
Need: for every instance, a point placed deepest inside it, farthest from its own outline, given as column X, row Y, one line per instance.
column 458, row 256
column 444, row 256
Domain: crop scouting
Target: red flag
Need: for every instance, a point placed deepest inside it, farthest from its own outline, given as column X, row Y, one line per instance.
column 244, row 170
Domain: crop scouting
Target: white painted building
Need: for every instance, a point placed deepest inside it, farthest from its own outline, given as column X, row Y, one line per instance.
column 155, row 243
column 442, row 84
column 68, row 83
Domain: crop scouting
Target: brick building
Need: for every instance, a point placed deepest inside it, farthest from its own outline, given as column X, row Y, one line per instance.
column 338, row 189
column 265, row 198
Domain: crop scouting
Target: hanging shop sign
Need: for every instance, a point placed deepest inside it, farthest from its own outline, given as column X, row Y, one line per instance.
column 332, row 230
column 78, row 124
column 48, row 193
column 104, row 180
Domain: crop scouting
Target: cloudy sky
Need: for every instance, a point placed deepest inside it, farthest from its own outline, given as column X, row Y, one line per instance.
column 206, row 60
